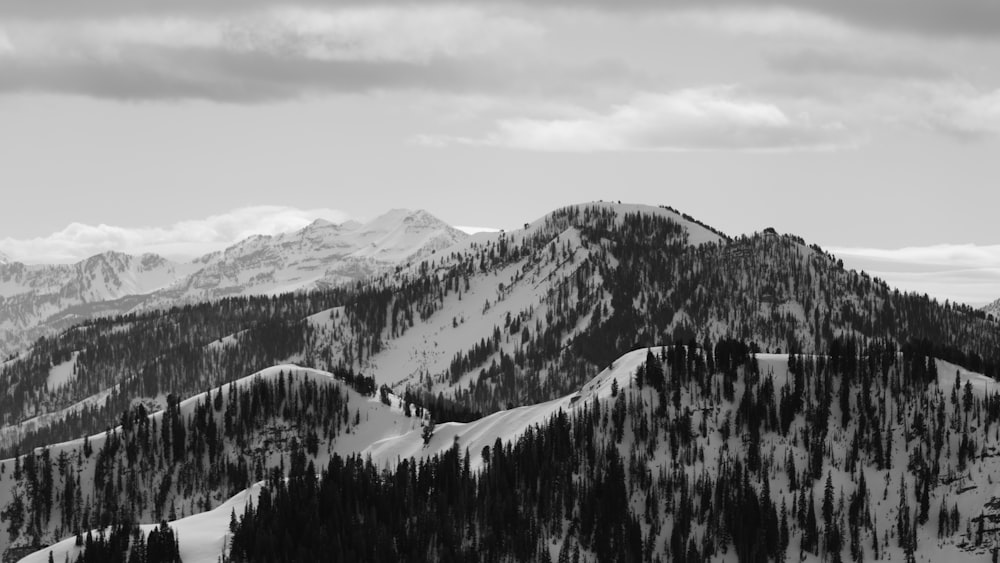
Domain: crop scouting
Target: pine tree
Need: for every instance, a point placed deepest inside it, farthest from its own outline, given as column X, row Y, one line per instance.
column 925, row 499
column 828, row 509
column 654, row 371
column 943, row 528
column 811, row 533
column 903, row 516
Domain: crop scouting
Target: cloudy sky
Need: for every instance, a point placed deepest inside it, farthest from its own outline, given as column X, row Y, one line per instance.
column 870, row 127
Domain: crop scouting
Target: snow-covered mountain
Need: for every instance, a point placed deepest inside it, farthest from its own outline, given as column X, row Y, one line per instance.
column 40, row 299
column 320, row 255
column 35, row 299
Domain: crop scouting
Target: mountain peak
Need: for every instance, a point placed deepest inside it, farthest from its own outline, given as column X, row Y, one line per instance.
column 320, row 224
column 697, row 232
column 407, row 218
column 105, row 257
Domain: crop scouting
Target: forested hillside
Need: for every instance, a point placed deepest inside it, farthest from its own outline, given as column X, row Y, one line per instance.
column 857, row 456
column 860, row 455
column 194, row 454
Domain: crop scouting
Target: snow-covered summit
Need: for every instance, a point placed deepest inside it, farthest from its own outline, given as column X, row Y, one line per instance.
column 109, row 275
column 318, row 255
column 697, row 232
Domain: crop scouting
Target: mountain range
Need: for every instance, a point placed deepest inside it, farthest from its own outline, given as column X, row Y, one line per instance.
column 611, row 382
column 37, row 300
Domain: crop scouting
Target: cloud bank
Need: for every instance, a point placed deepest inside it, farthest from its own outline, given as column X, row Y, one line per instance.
column 261, row 55
column 953, row 18
column 966, row 273
column 183, row 240
column 257, row 51
column 475, row 230
column 719, row 118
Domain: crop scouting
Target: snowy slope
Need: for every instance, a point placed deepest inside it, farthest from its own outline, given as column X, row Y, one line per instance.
column 506, row 425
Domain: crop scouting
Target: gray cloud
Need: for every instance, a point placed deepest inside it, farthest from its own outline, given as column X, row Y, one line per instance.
column 954, row 108
column 290, row 52
column 953, row 17
column 814, row 61
column 210, row 75
column 967, row 273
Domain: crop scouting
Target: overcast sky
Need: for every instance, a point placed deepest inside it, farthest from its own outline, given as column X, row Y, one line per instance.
column 866, row 126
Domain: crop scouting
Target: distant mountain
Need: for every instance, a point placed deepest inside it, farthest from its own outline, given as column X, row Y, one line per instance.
column 36, row 300
column 320, row 255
